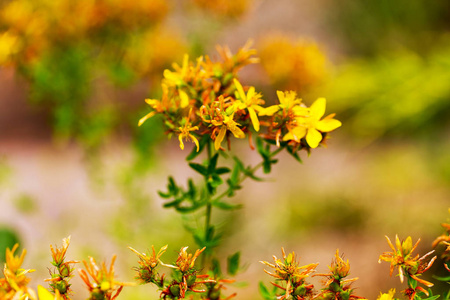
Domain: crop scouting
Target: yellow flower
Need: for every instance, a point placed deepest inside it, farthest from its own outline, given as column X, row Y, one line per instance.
column 9, row 44
column 185, row 132
column 103, row 282
column 312, row 125
column 288, row 100
column 289, row 270
column 158, row 106
column 250, row 102
column 186, row 261
column 44, row 294
column 403, row 259
column 388, row 296
column 227, row 123
column 14, row 285
column 178, row 77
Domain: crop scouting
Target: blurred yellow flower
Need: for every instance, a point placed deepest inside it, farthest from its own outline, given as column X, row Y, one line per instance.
column 292, row 64
column 388, row 296
column 227, row 8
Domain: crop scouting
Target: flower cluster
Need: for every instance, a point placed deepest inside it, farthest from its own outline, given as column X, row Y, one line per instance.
column 34, row 26
column 206, row 99
column 288, row 272
column 409, row 266
column 103, row 285
column 59, row 282
column 185, row 280
column 336, row 286
column 14, row 284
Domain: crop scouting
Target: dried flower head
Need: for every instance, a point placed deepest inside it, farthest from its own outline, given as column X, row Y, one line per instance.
column 294, row 275
column 408, row 265
column 14, row 284
column 103, row 285
column 147, row 266
column 59, row 282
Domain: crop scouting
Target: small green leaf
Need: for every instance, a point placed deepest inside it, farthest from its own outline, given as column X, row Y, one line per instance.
column 222, row 170
column 233, row 263
column 265, row 292
column 267, row 166
column 291, row 151
column 164, row 195
column 175, row 202
column 215, row 267
column 234, row 178
column 172, row 186
column 260, row 146
column 446, row 279
column 199, row 168
column 213, row 163
column 226, row 206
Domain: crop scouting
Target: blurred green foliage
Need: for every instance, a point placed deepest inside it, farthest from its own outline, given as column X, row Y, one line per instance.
column 25, row 203
column 370, row 27
column 397, row 94
column 8, row 238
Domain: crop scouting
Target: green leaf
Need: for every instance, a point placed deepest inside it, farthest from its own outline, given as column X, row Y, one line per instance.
column 248, row 172
column 446, row 279
column 172, row 186
column 226, row 206
column 192, row 190
column 265, row 292
column 233, row 263
column 234, row 178
column 215, row 181
column 199, row 168
column 260, row 147
column 213, row 163
column 222, row 170
column 215, row 267
column 175, row 202
column 188, row 209
column 267, row 166
column 291, row 151
column 164, row 195
column 432, row 297
column 194, row 153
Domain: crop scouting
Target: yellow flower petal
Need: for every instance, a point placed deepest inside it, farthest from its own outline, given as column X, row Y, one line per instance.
column 289, row 136
column 237, row 132
column 180, row 137
column 44, row 294
column 195, row 141
column 184, row 99
column 317, row 109
column 313, row 137
column 220, row 137
column 280, row 95
column 147, row 116
column 240, row 90
column 269, row 111
column 254, row 118
column 299, row 132
column 328, row 125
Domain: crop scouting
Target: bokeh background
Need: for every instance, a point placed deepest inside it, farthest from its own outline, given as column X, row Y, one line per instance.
column 73, row 79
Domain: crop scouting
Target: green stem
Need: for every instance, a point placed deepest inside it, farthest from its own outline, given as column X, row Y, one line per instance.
column 245, row 176
column 208, row 211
